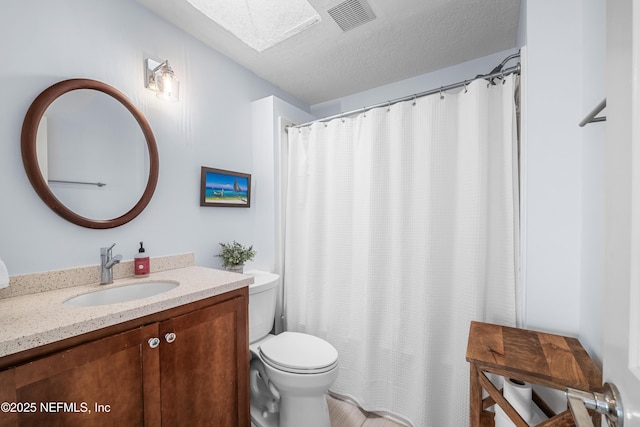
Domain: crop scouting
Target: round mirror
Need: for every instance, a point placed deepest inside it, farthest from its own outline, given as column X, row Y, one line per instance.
column 91, row 161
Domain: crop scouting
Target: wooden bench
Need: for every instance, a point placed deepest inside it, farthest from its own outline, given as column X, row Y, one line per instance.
column 549, row 360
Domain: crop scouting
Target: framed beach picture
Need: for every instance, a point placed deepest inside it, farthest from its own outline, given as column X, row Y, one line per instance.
column 224, row 188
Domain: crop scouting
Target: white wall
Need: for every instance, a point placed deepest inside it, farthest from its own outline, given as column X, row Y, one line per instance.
column 564, row 202
column 593, row 84
column 407, row 87
column 107, row 40
column 553, row 166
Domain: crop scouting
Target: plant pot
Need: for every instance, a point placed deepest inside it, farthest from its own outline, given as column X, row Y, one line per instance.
column 239, row 268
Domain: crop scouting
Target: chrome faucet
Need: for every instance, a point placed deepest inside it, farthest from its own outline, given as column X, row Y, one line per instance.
column 106, row 263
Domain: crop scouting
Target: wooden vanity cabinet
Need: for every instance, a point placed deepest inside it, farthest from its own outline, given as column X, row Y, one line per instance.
column 65, row 388
column 194, row 373
column 204, row 371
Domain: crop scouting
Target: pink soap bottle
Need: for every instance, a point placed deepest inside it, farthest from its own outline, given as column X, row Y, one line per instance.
column 141, row 263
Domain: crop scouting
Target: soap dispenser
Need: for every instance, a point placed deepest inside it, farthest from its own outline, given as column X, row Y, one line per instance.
column 141, row 263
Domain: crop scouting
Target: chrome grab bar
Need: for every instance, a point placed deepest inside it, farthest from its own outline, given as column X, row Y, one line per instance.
column 607, row 403
column 99, row 184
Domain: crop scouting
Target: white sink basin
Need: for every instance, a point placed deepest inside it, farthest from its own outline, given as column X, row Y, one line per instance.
column 124, row 293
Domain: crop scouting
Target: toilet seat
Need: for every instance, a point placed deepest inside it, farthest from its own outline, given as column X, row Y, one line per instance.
column 299, row 353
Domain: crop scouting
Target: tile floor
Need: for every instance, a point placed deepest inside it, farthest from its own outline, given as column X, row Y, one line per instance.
column 344, row 414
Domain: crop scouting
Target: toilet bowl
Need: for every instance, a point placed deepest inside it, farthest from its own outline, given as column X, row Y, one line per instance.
column 290, row 373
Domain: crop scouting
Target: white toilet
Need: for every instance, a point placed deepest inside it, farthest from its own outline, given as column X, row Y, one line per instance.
column 291, row 372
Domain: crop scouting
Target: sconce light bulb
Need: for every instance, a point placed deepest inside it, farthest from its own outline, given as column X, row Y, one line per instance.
column 168, row 87
column 163, row 81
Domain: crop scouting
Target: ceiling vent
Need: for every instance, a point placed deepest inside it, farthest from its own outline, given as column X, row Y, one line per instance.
column 351, row 14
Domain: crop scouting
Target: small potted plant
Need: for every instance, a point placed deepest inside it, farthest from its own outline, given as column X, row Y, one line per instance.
column 234, row 255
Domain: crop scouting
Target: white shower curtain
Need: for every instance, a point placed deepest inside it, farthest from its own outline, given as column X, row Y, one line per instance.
column 400, row 229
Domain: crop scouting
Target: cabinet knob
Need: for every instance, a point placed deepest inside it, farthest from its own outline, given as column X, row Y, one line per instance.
column 154, row 342
column 170, row 337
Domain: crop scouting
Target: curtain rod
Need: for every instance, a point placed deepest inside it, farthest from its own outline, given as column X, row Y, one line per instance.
column 493, row 75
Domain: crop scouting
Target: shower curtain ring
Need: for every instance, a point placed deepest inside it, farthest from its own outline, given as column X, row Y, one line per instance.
column 388, row 106
column 441, row 95
column 364, row 111
column 465, row 86
column 502, row 77
column 414, row 99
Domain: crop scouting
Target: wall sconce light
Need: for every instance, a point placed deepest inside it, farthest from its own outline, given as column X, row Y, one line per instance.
column 160, row 78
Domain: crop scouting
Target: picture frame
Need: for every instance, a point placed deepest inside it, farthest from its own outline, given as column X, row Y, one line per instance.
column 223, row 188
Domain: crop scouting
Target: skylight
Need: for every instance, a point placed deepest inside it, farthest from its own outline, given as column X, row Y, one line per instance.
column 260, row 24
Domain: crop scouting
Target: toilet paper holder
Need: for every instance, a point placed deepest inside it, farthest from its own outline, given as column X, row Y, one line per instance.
column 607, row 403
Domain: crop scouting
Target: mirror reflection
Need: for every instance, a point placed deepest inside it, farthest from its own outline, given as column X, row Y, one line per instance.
column 93, row 154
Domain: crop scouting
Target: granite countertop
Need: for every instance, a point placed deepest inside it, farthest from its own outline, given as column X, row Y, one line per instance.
column 29, row 321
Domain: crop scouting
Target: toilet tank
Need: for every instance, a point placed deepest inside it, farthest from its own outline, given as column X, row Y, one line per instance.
column 262, row 303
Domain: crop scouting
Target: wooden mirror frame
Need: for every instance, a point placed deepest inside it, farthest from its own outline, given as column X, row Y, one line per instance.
column 30, row 158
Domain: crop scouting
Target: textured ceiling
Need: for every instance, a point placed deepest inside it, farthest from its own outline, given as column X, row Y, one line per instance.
column 407, row 38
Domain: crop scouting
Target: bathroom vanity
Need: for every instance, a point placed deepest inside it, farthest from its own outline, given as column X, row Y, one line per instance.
column 180, row 357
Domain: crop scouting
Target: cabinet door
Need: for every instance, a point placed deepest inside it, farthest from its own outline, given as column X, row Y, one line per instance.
column 8, row 394
column 204, row 370
column 101, row 383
